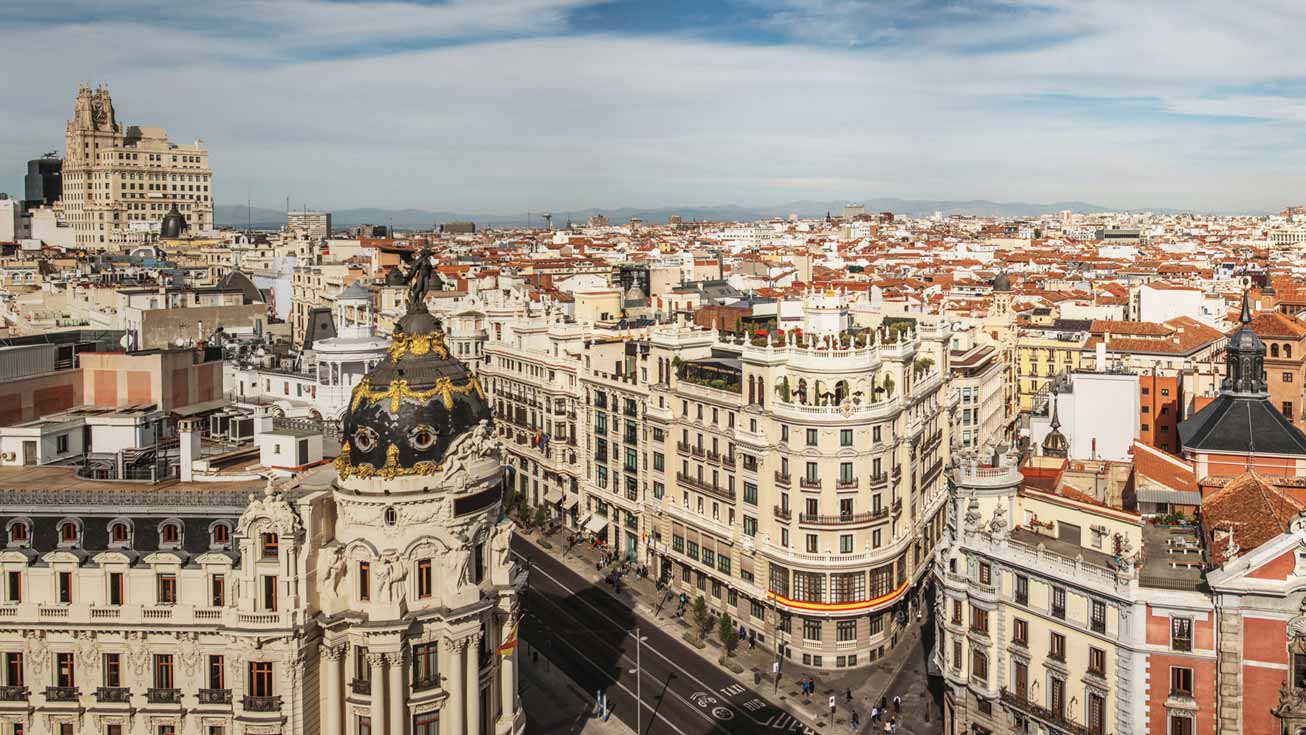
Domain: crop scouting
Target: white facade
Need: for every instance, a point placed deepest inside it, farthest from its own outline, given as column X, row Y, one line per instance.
column 1099, row 416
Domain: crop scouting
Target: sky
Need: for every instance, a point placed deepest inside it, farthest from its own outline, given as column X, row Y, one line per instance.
column 498, row 106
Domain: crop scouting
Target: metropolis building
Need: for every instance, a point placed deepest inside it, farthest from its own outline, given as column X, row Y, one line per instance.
column 381, row 601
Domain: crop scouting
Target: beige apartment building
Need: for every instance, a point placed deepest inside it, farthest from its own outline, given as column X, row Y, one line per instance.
column 119, row 181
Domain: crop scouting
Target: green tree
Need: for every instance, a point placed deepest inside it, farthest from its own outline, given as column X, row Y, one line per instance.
column 725, row 632
column 701, row 617
column 541, row 516
column 523, row 511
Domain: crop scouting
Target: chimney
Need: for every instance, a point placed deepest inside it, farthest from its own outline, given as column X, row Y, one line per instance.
column 188, row 431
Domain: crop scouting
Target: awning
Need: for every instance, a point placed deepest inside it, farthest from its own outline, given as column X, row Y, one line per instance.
column 552, row 495
column 596, row 524
column 196, row 409
column 1174, row 497
column 572, row 502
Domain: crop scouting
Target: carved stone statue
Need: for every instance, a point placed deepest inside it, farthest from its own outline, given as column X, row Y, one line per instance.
column 973, row 517
column 334, row 570
column 998, row 526
column 390, row 575
column 419, row 281
column 1297, row 625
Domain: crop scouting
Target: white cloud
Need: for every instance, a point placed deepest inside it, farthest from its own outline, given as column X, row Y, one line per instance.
column 565, row 121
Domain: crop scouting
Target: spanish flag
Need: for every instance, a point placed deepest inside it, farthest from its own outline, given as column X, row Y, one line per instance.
column 510, row 644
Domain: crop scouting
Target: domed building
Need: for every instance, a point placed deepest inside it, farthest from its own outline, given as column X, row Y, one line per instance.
column 418, row 589
column 173, row 224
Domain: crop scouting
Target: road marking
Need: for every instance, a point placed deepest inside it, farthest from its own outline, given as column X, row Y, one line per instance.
column 754, row 704
column 786, row 722
column 732, row 690
column 621, row 686
column 620, row 656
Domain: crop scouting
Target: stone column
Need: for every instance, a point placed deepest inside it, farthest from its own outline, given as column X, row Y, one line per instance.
column 377, row 662
column 397, row 694
column 472, row 689
column 332, row 657
column 457, row 650
column 507, row 690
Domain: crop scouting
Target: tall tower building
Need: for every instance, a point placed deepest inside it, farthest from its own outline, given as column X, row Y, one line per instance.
column 119, row 181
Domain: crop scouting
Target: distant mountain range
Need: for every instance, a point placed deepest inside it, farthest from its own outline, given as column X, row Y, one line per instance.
column 236, row 215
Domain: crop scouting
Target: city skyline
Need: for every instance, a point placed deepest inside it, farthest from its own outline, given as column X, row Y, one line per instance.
column 537, row 104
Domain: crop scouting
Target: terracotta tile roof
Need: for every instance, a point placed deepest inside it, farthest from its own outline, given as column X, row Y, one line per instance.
column 1276, row 324
column 1162, row 468
column 1253, row 509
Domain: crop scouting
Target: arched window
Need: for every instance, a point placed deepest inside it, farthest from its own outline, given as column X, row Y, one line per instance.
column 170, row 533
column 119, row 533
column 69, row 533
column 19, row 533
column 1274, row 350
column 221, row 534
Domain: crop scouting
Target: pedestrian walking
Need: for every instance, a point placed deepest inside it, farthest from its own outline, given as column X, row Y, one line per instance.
column 857, row 721
column 897, row 704
column 848, row 694
column 875, row 714
column 884, row 704
column 888, row 726
column 832, row 701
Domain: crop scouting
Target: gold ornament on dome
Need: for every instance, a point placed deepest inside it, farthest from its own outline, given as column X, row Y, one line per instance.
column 418, row 345
column 397, row 391
column 389, row 471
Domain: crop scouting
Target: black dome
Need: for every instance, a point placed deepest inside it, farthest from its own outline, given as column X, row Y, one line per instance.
column 408, row 410
column 174, row 223
column 394, row 277
column 1002, row 282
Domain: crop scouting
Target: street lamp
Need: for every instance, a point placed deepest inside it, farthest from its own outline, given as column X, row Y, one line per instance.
column 638, row 671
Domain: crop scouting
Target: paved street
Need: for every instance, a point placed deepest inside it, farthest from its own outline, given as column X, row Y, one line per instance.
column 591, row 635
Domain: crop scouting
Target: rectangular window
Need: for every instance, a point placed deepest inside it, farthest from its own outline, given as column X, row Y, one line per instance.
column 1020, row 677
column 811, row 543
column 985, row 573
column 1181, row 634
column 846, row 630
column 217, row 672
column 112, row 670
column 260, row 678
column 1096, row 714
column 979, row 665
column 218, row 590
column 364, row 580
column 425, row 665
column 1181, row 681
column 66, row 587
column 1020, row 632
column 424, row 578
column 848, row 586
column 270, row 545
column 750, row 493
column 1181, row 725
column 115, row 588
column 1097, row 616
column 750, row 526
column 1022, row 589
column 979, row 620
column 167, row 589
column 779, row 580
column 809, row 586
column 1096, row 661
column 1059, row 602
column 1057, row 647
column 270, row 593
column 692, row 551
column 811, row 629
column 65, row 675
column 846, row 543
column 163, row 671
column 14, row 669
column 811, row 437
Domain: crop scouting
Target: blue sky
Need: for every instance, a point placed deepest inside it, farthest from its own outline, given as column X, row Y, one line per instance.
column 490, row 106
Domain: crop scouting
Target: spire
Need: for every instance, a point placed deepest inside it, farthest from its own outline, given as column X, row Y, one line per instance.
column 1056, row 420
column 1246, row 316
column 1245, row 357
column 1055, row 443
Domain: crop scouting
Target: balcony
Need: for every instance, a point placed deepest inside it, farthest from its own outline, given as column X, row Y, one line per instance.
column 113, row 695
column 262, row 704
column 783, row 514
column 215, row 696
column 842, row 519
column 1059, row 611
column 750, row 463
column 361, row 686
column 61, row 694
column 705, row 487
column 728, row 461
column 849, row 484
column 1040, row 713
column 14, row 694
column 897, row 507
column 879, row 481
column 713, row 457
column 782, row 479
column 161, row 695
column 809, row 483
column 682, row 447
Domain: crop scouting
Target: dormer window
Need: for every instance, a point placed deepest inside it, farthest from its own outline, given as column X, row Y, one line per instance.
column 19, row 533
column 221, row 535
column 170, row 534
column 120, row 534
column 69, row 533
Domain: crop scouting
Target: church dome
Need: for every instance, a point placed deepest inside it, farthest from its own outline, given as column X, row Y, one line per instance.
column 1002, row 282
column 174, row 223
column 408, row 410
column 394, row 277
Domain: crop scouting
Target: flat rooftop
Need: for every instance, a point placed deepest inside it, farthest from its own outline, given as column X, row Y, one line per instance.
column 1173, row 558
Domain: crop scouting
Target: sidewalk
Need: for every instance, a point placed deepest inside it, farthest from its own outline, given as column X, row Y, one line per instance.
column 867, row 684
column 555, row 705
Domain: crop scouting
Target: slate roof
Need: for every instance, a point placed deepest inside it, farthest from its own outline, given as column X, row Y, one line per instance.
column 1241, row 424
column 144, row 536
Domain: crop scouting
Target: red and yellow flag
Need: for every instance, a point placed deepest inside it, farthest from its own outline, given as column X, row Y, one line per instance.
column 510, row 644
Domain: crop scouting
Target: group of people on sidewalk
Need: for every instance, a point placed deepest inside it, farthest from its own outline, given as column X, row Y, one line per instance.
column 879, row 714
